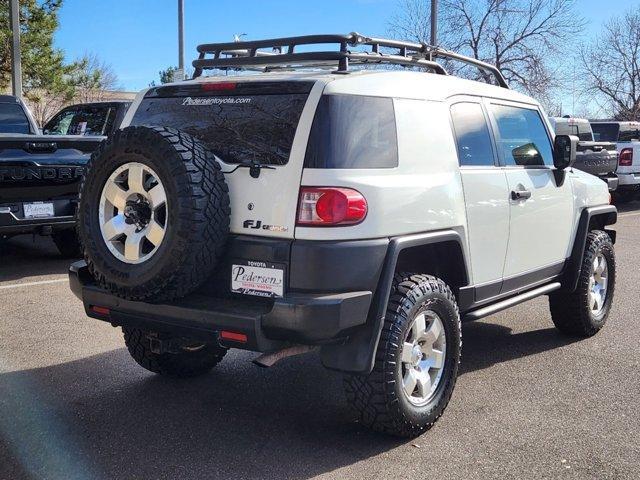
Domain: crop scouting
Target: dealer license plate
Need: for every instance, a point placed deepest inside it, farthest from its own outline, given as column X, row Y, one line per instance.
column 38, row 210
column 261, row 279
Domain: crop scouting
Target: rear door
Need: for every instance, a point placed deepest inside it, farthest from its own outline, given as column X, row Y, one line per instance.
column 245, row 121
column 486, row 194
column 541, row 198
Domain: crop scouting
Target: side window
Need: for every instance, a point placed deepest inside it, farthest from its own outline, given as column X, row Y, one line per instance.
column 523, row 139
column 472, row 134
column 59, row 125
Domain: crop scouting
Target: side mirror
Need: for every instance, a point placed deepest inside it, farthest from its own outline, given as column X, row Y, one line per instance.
column 564, row 151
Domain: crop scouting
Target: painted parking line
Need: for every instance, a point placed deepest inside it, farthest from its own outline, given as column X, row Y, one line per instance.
column 632, row 214
column 33, row 284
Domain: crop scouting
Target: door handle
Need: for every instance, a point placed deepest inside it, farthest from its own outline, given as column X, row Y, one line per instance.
column 520, row 194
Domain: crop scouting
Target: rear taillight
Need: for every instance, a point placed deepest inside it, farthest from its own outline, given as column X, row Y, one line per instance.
column 330, row 206
column 626, row 157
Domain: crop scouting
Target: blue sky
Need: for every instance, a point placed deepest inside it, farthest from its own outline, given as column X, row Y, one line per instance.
column 139, row 37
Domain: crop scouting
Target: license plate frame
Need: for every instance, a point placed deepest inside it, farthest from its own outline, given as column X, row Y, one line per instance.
column 38, row 210
column 257, row 278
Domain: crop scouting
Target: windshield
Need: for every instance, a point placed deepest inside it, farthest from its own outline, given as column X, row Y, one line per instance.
column 605, row 132
column 13, row 119
column 82, row 120
column 236, row 128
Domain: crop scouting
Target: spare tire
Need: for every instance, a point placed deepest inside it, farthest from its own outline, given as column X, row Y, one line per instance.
column 154, row 213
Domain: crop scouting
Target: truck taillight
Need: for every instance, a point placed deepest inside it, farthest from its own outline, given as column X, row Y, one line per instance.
column 330, row 207
column 626, row 157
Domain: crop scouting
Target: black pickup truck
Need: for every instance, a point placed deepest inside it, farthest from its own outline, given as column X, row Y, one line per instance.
column 40, row 173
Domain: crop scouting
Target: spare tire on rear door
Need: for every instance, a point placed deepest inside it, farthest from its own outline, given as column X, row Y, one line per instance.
column 154, row 213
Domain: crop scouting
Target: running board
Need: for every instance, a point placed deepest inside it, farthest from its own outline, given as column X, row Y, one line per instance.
column 510, row 302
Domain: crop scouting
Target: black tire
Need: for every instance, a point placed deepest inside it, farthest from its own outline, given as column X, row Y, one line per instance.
column 197, row 214
column 67, row 243
column 184, row 364
column 571, row 311
column 378, row 398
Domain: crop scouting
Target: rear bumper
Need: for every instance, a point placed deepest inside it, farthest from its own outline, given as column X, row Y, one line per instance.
column 13, row 221
column 263, row 324
column 612, row 182
column 629, row 179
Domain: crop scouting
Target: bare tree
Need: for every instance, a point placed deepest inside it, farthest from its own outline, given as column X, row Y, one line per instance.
column 521, row 37
column 611, row 66
column 92, row 78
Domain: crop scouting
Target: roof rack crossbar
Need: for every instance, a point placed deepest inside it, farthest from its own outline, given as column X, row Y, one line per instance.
column 238, row 55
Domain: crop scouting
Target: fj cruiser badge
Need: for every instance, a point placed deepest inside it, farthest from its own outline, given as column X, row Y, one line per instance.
column 258, row 225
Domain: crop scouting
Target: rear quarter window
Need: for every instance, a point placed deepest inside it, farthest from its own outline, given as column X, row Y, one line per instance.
column 351, row 131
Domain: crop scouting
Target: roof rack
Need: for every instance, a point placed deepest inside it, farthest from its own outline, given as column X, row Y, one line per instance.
column 247, row 54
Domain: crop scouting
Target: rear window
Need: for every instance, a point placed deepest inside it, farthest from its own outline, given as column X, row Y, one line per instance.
column 13, row 119
column 86, row 120
column 605, row 132
column 238, row 129
column 352, row 131
column 628, row 134
column 579, row 129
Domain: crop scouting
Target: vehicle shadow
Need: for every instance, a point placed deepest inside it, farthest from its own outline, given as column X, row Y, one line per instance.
column 624, row 207
column 104, row 417
column 28, row 256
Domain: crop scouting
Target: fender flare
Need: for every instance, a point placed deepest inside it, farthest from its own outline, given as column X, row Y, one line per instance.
column 607, row 215
column 357, row 354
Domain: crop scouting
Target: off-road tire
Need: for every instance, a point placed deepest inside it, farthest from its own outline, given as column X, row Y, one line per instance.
column 67, row 243
column 570, row 311
column 183, row 365
column 197, row 214
column 377, row 398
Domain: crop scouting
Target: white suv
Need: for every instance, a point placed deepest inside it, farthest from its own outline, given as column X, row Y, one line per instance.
column 363, row 213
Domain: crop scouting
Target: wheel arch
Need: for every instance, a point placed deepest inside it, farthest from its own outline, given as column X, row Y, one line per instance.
column 591, row 218
column 441, row 250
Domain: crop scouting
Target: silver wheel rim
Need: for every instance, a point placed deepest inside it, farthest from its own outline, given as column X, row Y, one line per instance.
column 133, row 213
column 598, row 284
column 423, row 358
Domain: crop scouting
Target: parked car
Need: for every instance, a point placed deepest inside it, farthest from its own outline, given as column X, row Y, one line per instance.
column 596, row 158
column 88, row 119
column 40, row 174
column 15, row 117
column 626, row 135
column 364, row 213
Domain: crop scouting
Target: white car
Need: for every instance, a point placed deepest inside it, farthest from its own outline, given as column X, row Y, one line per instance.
column 363, row 213
column 626, row 135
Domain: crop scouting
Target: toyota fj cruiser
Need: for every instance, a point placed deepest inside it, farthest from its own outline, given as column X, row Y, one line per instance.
column 363, row 213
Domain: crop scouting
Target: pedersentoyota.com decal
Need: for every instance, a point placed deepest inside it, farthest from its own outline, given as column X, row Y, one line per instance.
column 190, row 102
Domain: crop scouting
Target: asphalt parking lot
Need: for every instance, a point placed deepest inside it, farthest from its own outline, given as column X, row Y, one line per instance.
column 529, row 403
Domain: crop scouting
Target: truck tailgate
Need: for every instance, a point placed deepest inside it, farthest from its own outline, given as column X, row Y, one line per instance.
column 597, row 158
column 36, row 168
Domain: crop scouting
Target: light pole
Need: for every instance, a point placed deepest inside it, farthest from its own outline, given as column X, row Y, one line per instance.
column 16, row 64
column 434, row 22
column 180, row 72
